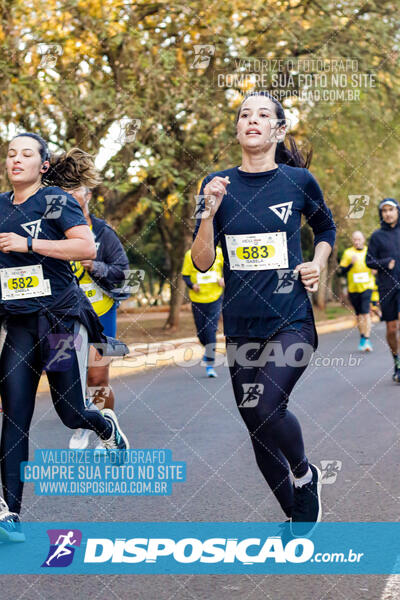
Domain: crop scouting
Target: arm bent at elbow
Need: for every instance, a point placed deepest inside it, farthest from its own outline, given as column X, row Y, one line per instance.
column 79, row 245
column 310, row 271
column 203, row 251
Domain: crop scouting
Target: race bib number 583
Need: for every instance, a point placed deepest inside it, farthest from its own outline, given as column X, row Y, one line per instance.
column 257, row 251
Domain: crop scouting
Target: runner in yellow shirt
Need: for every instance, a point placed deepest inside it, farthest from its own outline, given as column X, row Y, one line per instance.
column 205, row 293
column 360, row 285
column 100, row 301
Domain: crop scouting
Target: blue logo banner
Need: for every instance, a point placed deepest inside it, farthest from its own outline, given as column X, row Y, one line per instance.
column 202, row 548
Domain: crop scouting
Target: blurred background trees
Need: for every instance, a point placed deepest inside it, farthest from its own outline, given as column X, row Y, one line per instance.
column 122, row 80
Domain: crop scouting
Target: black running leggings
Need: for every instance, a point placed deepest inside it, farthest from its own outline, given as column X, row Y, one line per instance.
column 20, row 370
column 275, row 431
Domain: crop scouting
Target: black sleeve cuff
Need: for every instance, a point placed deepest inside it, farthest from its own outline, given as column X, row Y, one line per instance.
column 186, row 279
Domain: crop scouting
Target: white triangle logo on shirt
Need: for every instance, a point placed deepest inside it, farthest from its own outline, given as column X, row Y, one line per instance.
column 32, row 228
column 283, row 210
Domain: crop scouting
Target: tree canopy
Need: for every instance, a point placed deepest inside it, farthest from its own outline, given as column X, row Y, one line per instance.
column 151, row 90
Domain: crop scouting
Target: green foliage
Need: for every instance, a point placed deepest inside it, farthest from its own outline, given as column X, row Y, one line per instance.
column 135, row 60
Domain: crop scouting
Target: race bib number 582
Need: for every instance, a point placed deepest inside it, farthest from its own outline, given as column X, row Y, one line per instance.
column 23, row 282
column 257, row 251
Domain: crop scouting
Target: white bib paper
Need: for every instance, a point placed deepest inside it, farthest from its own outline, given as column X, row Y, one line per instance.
column 361, row 277
column 24, row 282
column 93, row 293
column 257, row 251
column 208, row 277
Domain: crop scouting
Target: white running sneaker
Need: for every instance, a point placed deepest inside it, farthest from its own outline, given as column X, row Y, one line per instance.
column 117, row 440
column 80, row 439
column 99, row 447
column 10, row 525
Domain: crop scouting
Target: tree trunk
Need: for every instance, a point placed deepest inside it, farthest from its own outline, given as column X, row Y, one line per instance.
column 177, row 248
column 331, row 289
column 177, row 295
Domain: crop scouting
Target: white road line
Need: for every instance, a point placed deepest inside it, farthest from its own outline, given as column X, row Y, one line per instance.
column 392, row 587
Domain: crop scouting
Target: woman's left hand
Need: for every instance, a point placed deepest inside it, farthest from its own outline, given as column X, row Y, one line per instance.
column 87, row 264
column 309, row 274
column 12, row 242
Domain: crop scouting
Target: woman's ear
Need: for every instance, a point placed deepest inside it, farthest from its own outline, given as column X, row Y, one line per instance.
column 45, row 166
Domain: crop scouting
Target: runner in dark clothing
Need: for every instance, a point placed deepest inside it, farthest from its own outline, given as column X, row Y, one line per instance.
column 383, row 254
column 47, row 318
column 255, row 213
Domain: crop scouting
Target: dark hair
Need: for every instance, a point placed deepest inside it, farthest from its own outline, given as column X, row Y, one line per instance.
column 72, row 169
column 289, row 156
column 44, row 151
column 68, row 170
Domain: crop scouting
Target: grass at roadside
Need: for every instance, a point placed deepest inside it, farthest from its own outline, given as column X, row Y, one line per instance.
column 333, row 311
column 136, row 330
column 151, row 330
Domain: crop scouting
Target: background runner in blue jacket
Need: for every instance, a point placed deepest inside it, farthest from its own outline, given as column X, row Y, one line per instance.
column 255, row 211
column 100, row 279
column 100, row 276
column 48, row 319
column 384, row 255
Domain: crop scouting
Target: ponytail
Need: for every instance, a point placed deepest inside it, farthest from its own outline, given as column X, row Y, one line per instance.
column 292, row 156
column 71, row 170
column 289, row 156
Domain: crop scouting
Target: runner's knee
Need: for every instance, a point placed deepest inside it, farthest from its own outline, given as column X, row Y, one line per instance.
column 265, row 415
column 98, row 376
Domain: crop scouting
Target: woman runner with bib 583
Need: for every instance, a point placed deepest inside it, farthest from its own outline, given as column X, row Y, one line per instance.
column 48, row 319
column 254, row 211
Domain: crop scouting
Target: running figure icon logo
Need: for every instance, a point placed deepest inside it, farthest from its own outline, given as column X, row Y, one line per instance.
column 283, row 210
column 251, row 394
column 62, row 348
column 32, row 227
column 54, row 205
column 131, row 283
column 286, row 281
column 357, row 206
column 49, row 54
column 330, row 470
column 98, row 395
column 202, row 55
column 62, row 547
column 128, row 129
column 204, row 204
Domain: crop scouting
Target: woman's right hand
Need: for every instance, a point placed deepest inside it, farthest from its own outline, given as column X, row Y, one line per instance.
column 216, row 189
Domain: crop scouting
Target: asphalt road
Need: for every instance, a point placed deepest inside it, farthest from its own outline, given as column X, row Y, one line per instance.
column 349, row 412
